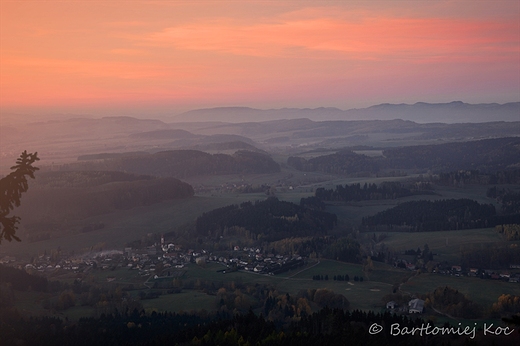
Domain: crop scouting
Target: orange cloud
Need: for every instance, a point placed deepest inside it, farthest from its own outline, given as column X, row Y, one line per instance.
column 373, row 38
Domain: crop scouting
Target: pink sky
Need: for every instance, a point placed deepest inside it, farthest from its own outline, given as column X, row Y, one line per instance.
column 154, row 58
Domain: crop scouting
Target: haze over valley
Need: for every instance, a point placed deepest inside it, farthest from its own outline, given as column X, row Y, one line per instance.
column 158, row 208
column 259, row 173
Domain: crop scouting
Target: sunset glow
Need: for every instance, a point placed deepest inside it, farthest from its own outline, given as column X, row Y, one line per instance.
column 116, row 58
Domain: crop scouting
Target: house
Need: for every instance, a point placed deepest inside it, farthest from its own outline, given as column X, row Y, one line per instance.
column 505, row 275
column 456, row 268
column 391, row 305
column 170, row 255
column 7, row 259
column 416, row 306
column 200, row 260
column 259, row 268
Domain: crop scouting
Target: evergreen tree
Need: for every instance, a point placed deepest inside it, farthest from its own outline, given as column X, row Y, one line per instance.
column 11, row 189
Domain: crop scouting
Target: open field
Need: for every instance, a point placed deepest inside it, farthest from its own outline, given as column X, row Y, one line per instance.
column 366, row 295
column 386, row 273
column 362, row 295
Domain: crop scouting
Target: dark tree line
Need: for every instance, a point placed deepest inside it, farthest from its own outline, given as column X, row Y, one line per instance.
column 509, row 199
column 475, row 177
column 345, row 277
column 343, row 162
column 343, row 248
column 324, row 327
column 489, row 256
column 269, row 220
column 356, row 192
column 81, row 179
column 454, row 303
column 441, row 215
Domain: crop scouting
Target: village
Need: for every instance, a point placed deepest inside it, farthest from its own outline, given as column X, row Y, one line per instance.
column 158, row 260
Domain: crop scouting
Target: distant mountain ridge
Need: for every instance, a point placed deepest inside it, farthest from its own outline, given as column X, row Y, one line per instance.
column 420, row 112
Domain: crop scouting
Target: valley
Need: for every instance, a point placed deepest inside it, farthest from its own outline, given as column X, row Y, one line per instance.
column 226, row 218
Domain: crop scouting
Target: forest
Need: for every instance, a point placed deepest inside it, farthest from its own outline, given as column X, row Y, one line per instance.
column 489, row 256
column 354, row 192
column 324, row 327
column 475, row 177
column 268, row 220
column 440, row 215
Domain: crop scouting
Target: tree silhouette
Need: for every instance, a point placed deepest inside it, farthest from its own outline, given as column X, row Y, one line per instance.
column 11, row 189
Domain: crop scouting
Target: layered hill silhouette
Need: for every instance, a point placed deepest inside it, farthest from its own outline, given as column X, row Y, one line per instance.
column 453, row 112
column 234, row 128
column 180, row 163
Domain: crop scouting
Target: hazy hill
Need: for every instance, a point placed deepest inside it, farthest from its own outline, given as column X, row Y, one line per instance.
column 212, row 142
column 224, row 146
column 164, row 134
column 453, row 112
column 287, row 130
column 183, row 163
column 63, row 141
column 246, row 114
column 337, row 134
column 484, row 155
column 85, row 127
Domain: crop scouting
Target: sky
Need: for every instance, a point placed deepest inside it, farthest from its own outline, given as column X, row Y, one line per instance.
column 159, row 58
